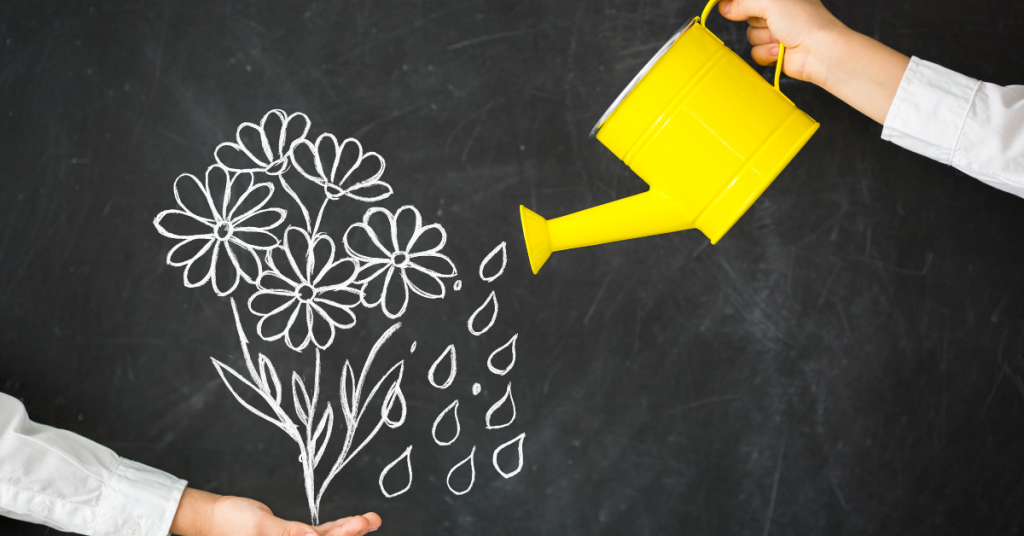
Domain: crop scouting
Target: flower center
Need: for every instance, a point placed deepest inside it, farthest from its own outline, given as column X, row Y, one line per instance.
column 223, row 231
column 305, row 292
column 400, row 259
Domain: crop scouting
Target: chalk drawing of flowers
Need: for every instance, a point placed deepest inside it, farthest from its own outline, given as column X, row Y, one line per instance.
column 265, row 147
column 327, row 154
column 223, row 227
column 391, row 266
column 306, row 293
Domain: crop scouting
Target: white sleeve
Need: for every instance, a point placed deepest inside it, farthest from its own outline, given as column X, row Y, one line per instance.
column 63, row 480
column 973, row 126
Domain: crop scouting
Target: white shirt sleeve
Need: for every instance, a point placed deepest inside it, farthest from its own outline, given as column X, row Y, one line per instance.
column 971, row 125
column 63, row 480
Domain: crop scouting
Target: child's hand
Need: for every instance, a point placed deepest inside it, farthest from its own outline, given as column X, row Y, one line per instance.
column 807, row 29
column 206, row 514
column 823, row 51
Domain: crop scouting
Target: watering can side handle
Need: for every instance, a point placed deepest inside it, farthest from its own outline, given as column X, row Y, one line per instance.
column 782, row 48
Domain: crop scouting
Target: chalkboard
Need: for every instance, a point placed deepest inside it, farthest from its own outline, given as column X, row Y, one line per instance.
column 847, row 360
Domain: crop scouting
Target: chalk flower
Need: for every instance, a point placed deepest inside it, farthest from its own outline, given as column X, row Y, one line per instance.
column 398, row 254
column 359, row 176
column 306, row 293
column 223, row 228
column 265, row 147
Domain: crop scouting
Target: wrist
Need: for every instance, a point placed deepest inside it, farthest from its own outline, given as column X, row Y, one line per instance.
column 825, row 52
column 195, row 511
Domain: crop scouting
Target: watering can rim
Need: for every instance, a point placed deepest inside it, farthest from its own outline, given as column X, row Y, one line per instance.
column 640, row 75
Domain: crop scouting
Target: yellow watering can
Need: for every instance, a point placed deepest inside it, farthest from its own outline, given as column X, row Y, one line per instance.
column 703, row 129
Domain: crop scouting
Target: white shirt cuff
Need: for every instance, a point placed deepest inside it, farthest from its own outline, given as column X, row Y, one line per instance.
column 929, row 110
column 138, row 501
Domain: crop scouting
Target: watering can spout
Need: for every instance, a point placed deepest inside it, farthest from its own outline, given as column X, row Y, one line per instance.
column 646, row 214
column 538, row 239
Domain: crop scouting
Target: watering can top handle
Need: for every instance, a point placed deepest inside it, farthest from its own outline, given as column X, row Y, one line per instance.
column 782, row 48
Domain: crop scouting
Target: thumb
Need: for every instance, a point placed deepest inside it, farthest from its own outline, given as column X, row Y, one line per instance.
column 740, row 10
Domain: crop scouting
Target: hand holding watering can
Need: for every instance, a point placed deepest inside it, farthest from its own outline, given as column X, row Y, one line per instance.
column 702, row 128
column 709, row 135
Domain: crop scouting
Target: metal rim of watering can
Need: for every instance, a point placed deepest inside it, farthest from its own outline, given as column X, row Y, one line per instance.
column 640, row 76
column 664, row 48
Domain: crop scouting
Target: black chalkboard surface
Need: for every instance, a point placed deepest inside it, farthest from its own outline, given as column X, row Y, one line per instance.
column 847, row 360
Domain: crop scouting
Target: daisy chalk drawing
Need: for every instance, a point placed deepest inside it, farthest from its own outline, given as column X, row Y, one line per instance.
column 449, row 354
column 390, row 268
column 453, row 410
column 510, row 348
column 490, row 256
column 497, row 405
column 307, row 288
column 472, row 473
column 304, row 286
column 518, row 443
column 490, row 303
column 405, row 457
column 215, row 232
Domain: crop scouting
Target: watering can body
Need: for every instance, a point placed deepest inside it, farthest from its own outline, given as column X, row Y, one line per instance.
column 703, row 129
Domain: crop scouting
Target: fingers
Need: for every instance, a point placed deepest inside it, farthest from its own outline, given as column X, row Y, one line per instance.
column 765, row 54
column 291, row 528
column 760, row 36
column 757, row 22
column 351, row 526
column 740, row 10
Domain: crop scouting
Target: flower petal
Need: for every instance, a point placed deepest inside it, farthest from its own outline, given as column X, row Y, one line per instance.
column 278, row 261
column 322, row 328
column 273, row 326
column 265, row 219
column 340, row 272
column 370, row 192
column 407, row 225
column 255, row 238
column 396, row 294
column 225, row 274
column 328, row 154
column 344, row 297
column 304, row 160
column 218, row 184
column 430, row 239
column 362, row 243
column 434, row 264
column 193, row 198
column 297, row 335
column 180, row 224
column 373, row 288
column 198, row 269
column 370, row 270
column 233, row 157
column 186, row 251
column 274, row 281
column 247, row 197
column 247, row 260
column 296, row 126
column 321, row 257
column 368, row 168
column 296, row 245
column 265, row 303
column 339, row 315
column 423, row 283
column 252, row 139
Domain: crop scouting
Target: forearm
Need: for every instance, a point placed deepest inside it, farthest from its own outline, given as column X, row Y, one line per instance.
column 860, row 71
column 194, row 512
